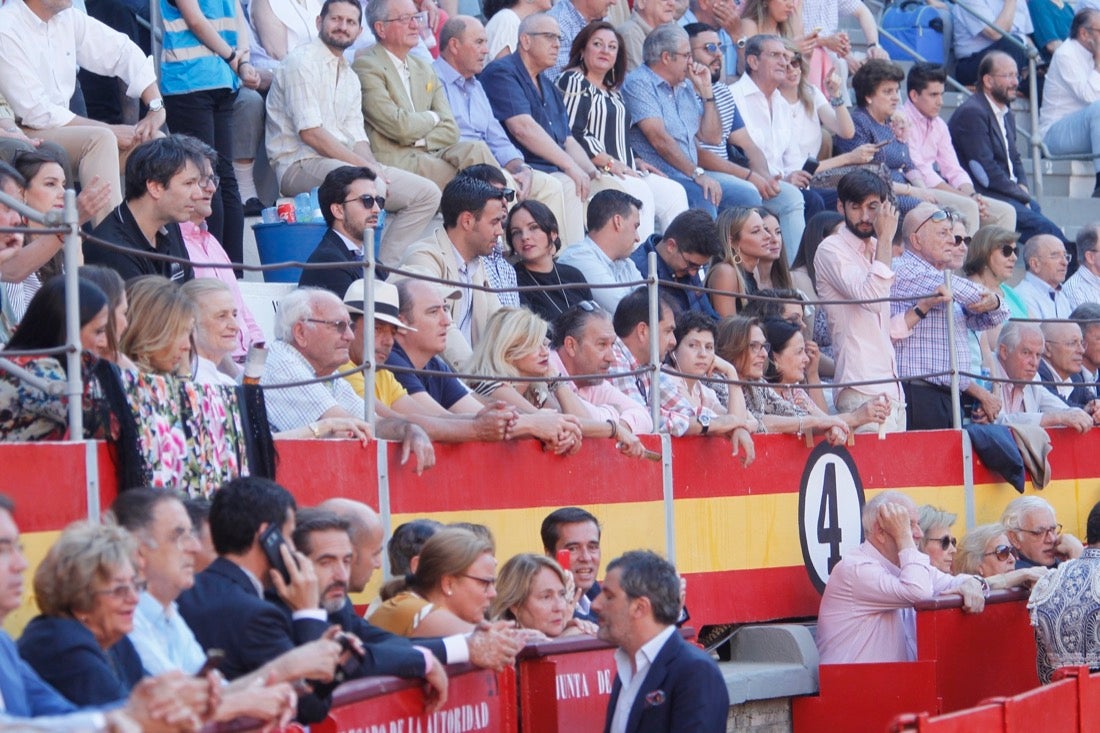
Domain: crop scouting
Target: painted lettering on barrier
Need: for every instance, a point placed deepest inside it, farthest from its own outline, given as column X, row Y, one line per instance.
column 572, row 685
column 461, row 719
column 830, row 502
column 603, row 681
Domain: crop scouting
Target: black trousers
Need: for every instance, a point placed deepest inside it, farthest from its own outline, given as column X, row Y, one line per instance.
column 927, row 407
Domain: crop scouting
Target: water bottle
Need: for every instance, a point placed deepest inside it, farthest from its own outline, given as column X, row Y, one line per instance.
column 315, row 205
column 985, row 381
column 303, row 208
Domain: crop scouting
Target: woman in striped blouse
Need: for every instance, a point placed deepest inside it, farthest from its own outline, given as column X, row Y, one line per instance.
column 599, row 121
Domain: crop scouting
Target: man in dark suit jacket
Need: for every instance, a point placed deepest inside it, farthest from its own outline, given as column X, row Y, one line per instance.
column 681, row 688
column 990, row 155
column 1063, row 359
column 350, row 204
column 226, row 608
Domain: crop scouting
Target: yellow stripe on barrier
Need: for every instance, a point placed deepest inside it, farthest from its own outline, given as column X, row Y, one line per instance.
column 35, row 546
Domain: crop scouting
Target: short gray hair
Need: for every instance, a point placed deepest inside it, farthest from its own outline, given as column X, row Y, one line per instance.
column 296, row 306
column 755, row 45
column 1088, row 315
column 1013, row 333
column 526, row 25
column 1020, row 507
column 929, row 516
column 661, row 40
column 972, row 548
column 377, row 11
column 870, row 510
column 645, row 574
column 85, row 556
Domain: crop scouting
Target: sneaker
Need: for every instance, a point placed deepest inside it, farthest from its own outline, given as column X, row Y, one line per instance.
column 253, row 207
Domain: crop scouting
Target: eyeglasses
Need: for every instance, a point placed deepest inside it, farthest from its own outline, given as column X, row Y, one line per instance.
column 588, row 306
column 368, row 201
column 1055, row 256
column 210, row 181
column 1008, row 250
column 340, row 326
column 758, row 346
column 1053, row 531
column 945, row 541
column 1002, row 552
column 708, row 47
column 123, row 591
column 548, row 35
column 509, row 194
column 486, row 582
column 965, row 241
column 937, row 216
column 407, row 18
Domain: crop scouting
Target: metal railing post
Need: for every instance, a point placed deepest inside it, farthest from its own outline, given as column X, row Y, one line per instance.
column 1033, row 109
column 956, row 411
column 75, row 390
column 368, row 327
column 654, row 344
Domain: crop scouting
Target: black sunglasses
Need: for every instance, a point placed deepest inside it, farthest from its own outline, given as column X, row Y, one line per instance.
column 945, row 541
column 509, row 194
column 1008, row 250
column 1002, row 552
column 368, row 201
column 960, row 239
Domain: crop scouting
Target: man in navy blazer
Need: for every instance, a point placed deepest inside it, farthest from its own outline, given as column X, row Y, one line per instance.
column 1063, row 360
column 226, row 608
column 988, row 152
column 350, row 205
column 664, row 683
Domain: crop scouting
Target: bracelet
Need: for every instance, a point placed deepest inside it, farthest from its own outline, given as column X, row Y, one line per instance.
column 920, row 314
column 614, row 429
column 748, row 174
column 229, row 59
column 836, row 101
column 984, row 583
column 707, row 99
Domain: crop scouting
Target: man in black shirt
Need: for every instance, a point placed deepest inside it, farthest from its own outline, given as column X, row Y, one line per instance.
column 162, row 184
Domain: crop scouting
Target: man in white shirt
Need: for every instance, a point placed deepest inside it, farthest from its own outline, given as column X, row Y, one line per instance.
column 663, row 683
column 1083, row 286
column 1041, row 289
column 974, row 39
column 1069, row 120
column 42, row 43
column 604, row 255
column 315, row 125
column 1063, row 359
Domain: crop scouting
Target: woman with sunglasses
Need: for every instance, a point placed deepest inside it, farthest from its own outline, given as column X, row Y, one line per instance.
column 599, row 121
column 990, row 261
column 741, row 342
column 986, row 551
column 532, row 233
column 937, row 541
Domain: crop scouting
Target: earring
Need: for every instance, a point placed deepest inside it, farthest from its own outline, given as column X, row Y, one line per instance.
column 737, row 257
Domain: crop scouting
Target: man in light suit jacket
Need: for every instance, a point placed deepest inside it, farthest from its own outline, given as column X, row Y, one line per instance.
column 409, row 119
column 473, row 218
column 988, row 151
column 663, row 682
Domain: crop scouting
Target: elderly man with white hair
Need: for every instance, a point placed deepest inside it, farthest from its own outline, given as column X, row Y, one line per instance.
column 1063, row 361
column 1034, row 531
column 312, row 331
column 866, row 612
column 1019, row 349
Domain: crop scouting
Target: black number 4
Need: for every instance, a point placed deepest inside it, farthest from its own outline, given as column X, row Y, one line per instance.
column 828, row 524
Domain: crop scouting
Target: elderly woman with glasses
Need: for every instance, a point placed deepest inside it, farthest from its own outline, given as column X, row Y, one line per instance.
column 86, row 588
column 986, row 551
column 937, row 541
column 741, row 342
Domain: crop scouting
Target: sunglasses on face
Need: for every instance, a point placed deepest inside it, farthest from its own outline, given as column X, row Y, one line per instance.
column 1008, row 250
column 945, row 541
column 961, row 240
column 709, row 47
column 1002, row 552
column 509, row 194
column 369, row 201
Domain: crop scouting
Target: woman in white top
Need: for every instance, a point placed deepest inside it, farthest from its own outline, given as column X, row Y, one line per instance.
column 216, row 330
column 503, row 18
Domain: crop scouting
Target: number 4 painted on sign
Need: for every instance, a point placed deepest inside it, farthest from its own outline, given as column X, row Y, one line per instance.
column 830, row 504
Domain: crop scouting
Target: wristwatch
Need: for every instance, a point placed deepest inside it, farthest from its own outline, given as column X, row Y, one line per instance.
column 704, row 420
column 156, row 105
column 697, row 172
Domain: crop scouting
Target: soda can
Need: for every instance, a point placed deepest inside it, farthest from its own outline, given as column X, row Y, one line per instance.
column 286, row 212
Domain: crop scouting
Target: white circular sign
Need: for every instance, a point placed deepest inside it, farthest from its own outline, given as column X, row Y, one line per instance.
column 830, row 502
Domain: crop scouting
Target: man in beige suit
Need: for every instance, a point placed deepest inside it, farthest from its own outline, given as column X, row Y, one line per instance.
column 409, row 119
column 473, row 219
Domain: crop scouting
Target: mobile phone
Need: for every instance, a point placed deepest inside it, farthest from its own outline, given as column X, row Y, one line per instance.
column 810, row 166
column 214, row 659
column 564, row 559
column 270, row 541
column 882, row 144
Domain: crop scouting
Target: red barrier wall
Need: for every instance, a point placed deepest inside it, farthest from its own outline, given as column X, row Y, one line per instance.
column 564, row 686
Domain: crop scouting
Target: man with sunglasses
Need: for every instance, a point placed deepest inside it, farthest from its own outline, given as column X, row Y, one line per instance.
column 1061, row 600
column 1034, row 531
column 919, row 272
column 350, row 204
column 409, row 119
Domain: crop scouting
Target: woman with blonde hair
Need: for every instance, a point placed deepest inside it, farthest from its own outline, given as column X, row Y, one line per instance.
column 986, row 551
column 745, row 242
column 537, row 594
column 449, row 590
column 158, row 339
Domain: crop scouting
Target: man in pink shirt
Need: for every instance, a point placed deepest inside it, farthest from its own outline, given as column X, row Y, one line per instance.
column 929, row 143
column 202, row 247
column 855, row 264
column 866, row 613
column 583, row 344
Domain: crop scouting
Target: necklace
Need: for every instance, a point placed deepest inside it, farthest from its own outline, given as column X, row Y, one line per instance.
column 548, row 294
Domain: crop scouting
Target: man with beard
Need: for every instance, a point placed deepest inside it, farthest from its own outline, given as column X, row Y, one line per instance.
column 315, row 125
column 983, row 131
column 855, row 264
column 323, row 537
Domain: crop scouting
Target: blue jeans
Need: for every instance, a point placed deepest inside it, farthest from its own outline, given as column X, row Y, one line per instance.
column 1077, row 134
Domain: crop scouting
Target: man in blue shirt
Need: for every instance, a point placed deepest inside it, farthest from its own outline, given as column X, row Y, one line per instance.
column 689, row 243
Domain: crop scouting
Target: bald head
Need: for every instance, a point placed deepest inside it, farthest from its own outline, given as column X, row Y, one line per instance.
column 464, row 45
column 365, row 528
